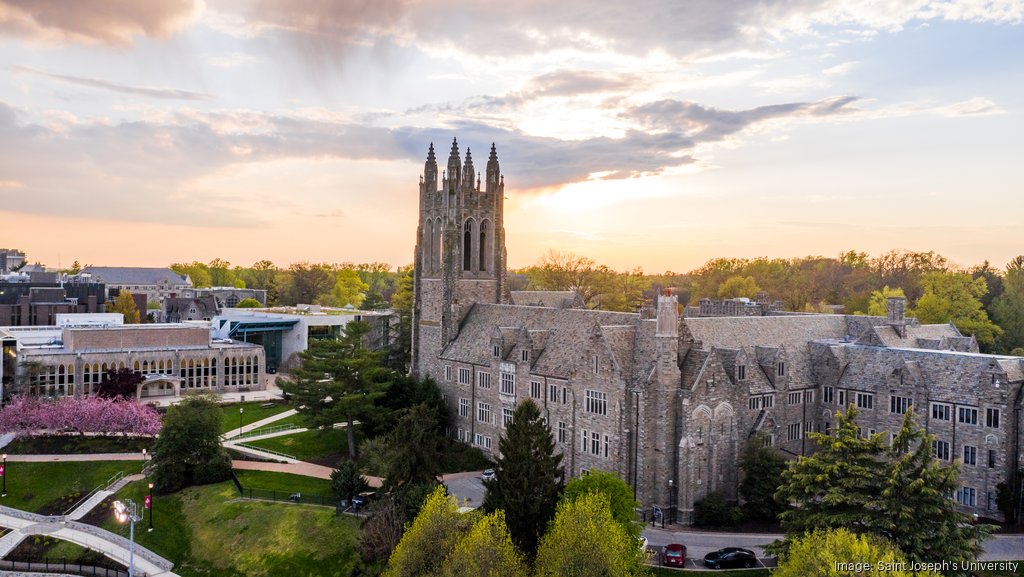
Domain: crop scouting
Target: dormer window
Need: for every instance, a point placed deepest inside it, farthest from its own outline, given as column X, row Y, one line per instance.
column 781, row 369
column 525, row 355
column 497, row 351
column 741, row 372
column 596, row 365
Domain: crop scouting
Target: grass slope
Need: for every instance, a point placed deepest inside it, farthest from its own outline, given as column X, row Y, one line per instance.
column 321, row 447
column 206, row 533
column 34, row 486
column 77, row 444
column 283, row 482
column 254, row 411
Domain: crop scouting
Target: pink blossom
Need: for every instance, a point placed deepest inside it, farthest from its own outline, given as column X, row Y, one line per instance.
column 24, row 414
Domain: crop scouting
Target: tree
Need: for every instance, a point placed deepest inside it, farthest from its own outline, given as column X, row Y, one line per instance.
column 835, row 487
column 878, row 304
column 1008, row 309
column 347, row 480
column 197, row 272
column 584, row 540
column 382, row 531
column 954, row 297
column 487, row 551
column 305, row 283
column 432, row 535
column 528, row 477
column 399, row 353
column 917, row 514
column 221, row 274
column 738, row 286
column 714, row 510
column 122, row 382
column 414, row 450
column 762, row 470
column 30, row 414
column 248, row 303
column 621, row 502
column 841, row 553
column 188, row 451
column 125, row 304
column 348, row 289
column 338, row 381
column 76, row 268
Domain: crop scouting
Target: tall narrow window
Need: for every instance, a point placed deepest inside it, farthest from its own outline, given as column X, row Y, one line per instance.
column 483, row 247
column 467, row 245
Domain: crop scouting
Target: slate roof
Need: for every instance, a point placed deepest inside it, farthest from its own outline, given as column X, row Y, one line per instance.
column 135, row 275
column 568, row 333
column 763, row 336
column 919, row 336
column 552, row 299
column 178, row 307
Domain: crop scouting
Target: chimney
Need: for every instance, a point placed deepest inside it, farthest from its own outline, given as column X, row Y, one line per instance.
column 668, row 315
column 896, row 307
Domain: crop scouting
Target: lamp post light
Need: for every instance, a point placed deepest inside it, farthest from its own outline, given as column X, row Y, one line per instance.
column 3, row 473
column 149, row 505
column 671, row 502
column 126, row 511
column 241, row 410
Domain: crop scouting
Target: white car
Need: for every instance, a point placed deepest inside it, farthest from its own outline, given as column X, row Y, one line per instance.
column 489, row 475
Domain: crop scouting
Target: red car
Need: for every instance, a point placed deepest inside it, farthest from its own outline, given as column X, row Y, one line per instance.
column 674, row 555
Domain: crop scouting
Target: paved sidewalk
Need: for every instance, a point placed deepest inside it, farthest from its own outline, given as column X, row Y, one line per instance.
column 80, row 457
column 258, row 424
column 298, row 468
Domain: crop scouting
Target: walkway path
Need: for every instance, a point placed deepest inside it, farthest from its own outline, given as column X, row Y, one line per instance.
column 259, row 424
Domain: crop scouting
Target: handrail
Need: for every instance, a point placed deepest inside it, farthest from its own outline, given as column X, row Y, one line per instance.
column 265, row 431
column 117, row 477
column 262, row 450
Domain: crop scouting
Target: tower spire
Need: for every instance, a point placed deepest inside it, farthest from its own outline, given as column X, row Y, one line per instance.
column 454, row 167
column 493, row 170
column 430, row 170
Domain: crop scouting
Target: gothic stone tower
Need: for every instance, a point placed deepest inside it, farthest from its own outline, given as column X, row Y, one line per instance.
column 460, row 251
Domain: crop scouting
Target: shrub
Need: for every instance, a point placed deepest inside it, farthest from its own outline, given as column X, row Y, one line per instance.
column 715, row 511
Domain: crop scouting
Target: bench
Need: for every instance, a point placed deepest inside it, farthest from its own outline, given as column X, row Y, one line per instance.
column 268, row 405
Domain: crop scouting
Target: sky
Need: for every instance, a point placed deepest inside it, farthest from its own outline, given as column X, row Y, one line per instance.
column 653, row 134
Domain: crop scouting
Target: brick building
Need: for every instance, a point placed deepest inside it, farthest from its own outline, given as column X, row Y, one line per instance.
column 668, row 402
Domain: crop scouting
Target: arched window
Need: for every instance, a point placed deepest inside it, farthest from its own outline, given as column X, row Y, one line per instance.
column 467, row 245
column 485, row 245
column 428, row 245
column 437, row 249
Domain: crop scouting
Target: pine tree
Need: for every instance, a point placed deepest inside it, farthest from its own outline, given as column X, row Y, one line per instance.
column 762, row 471
column 529, row 477
column 918, row 514
column 836, row 486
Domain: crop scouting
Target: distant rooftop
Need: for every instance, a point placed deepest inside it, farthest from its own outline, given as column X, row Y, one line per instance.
column 134, row 275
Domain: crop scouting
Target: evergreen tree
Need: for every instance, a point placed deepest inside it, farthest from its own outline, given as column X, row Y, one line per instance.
column 188, row 450
column 835, row 487
column 529, row 477
column 414, row 450
column 338, row 381
column 762, row 471
column 918, row 514
column 347, row 480
column 829, row 553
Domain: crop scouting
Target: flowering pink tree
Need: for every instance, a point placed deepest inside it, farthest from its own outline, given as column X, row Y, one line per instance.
column 33, row 415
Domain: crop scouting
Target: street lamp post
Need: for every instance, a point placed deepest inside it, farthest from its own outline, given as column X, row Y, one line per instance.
column 241, row 410
column 3, row 473
column 149, row 505
column 126, row 511
column 671, row 503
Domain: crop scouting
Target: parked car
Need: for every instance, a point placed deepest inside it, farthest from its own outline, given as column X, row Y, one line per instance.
column 489, row 475
column 730, row 558
column 674, row 555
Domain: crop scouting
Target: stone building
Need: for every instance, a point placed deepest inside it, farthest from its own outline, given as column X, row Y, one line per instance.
column 668, row 402
column 154, row 283
column 70, row 360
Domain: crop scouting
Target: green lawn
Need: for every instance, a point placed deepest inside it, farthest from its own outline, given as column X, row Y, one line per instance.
column 254, row 411
column 206, row 533
column 38, row 486
column 76, row 445
column 295, row 419
column 284, row 482
column 321, row 447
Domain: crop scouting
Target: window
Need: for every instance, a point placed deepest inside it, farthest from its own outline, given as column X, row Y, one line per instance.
column 899, row 405
column 464, row 376
column 767, row 402
column 794, row 432
column 483, row 380
column 941, row 412
column 483, row 412
column 597, row 402
column 506, row 417
column 966, row 496
column 992, row 418
column 991, row 458
column 497, row 351
column 842, row 399
column 463, row 407
column 828, row 395
column 563, row 431
column 782, row 369
column 565, row 395
column 808, row 397
column 595, row 443
column 553, row 393
column 741, row 372
column 597, row 366
column 585, row 438
column 941, row 450
column 525, row 355
column 482, row 441
column 794, row 398
column 606, row 443
column 865, row 401
column 535, row 389
column 970, row 455
column 508, row 384
column 448, row 372
column 755, row 403
column 967, row 415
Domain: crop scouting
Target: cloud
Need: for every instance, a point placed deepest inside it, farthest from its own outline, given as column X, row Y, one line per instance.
column 162, row 93
column 974, row 107
column 840, row 69
column 337, row 213
column 111, row 22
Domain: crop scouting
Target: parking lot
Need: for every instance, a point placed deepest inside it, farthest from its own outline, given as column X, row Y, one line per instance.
column 466, row 487
column 695, row 561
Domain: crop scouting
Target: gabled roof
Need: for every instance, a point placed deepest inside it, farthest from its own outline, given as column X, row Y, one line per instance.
column 551, row 299
column 938, row 337
column 568, row 334
column 135, row 275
